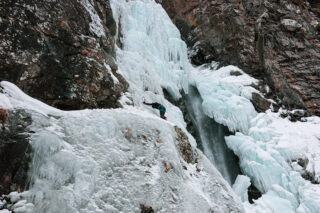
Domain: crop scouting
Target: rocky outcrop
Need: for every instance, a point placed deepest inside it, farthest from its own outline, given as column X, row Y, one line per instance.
column 146, row 209
column 274, row 41
column 184, row 146
column 260, row 103
column 15, row 152
column 302, row 164
column 61, row 52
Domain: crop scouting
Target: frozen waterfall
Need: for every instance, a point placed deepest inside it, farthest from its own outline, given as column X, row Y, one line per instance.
column 112, row 160
column 154, row 57
column 211, row 136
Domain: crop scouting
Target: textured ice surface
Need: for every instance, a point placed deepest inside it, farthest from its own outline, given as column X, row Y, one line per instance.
column 226, row 97
column 112, row 161
column 240, row 187
column 152, row 56
column 85, row 163
column 266, row 156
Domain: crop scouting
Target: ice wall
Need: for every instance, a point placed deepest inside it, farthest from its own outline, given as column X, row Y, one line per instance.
column 153, row 55
column 226, row 94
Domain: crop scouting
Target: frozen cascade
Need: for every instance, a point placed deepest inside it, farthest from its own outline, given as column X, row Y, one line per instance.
column 108, row 160
column 113, row 160
column 154, row 57
column 212, row 138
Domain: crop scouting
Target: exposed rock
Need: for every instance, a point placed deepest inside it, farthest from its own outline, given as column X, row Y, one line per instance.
column 253, row 193
column 184, row 145
column 15, row 153
column 4, row 117
column 314, row 3
column 294, row 115
column 167, row 166
column 60, row 52
column 260, row 103
column 257, row 36
column 308, row 175
column 291, row 25
column 146, row 209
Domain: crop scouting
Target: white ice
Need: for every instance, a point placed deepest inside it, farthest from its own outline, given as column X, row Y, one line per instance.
column 152, row 57
column 112, row 161
column 240, row 187
column 226, row 98
column 266, row 156
column 85, row 162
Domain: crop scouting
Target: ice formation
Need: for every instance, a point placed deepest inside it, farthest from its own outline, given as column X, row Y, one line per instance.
column 109, row 160
column 153, row 55
column 226, row 97
column 268, row 155
column 240, row 187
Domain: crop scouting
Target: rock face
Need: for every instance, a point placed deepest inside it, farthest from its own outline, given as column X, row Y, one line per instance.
column 15, row 152
column 61, row 52
column 274, row 41
column 184, row 145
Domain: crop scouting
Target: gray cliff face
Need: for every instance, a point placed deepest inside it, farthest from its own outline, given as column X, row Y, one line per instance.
column 49, row 50
column 274, row 41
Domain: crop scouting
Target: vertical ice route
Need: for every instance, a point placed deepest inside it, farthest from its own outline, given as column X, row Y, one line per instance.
column 154, row 57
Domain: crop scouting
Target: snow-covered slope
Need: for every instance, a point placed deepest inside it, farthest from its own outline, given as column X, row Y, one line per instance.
column 113, row 161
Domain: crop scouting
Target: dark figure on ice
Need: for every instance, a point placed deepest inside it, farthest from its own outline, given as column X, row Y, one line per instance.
column 158, row 106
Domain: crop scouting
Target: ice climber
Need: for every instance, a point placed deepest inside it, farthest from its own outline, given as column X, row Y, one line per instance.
column 158, row 106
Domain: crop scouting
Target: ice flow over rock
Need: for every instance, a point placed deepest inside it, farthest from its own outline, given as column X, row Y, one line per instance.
column 111, row 160
column 153, row 57
column 115, row 160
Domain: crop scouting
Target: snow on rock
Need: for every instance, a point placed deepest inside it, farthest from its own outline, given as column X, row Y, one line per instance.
column 113, row 161
column 290, row 24
column 95, row 24
column 19, row 100
column 16, row 202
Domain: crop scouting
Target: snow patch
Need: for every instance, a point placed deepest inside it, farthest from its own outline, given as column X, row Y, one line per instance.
column 96, row 23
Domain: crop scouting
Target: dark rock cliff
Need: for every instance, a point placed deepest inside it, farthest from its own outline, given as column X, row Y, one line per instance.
column 55, row 51
column 15, row 152
column 274, row 41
